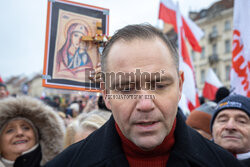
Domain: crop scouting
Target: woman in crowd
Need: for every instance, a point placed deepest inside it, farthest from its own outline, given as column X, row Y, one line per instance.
column 31, row 132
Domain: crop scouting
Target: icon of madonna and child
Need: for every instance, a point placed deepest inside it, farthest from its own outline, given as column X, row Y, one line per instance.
column 73, row 58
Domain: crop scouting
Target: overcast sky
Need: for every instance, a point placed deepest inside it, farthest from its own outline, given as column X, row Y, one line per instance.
column 23, row 22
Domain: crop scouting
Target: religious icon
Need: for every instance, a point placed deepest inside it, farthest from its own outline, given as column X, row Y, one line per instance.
column 73, row 53
column 73, row 56
column 69, row 59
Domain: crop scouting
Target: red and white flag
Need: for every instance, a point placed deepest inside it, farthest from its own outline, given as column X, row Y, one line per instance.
column 1, row 80
column 168, row 13
column 212, row 84
column 240, row 72
column 186, row 29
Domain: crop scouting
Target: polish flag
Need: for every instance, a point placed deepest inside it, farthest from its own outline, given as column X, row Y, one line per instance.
column 186, row 30
column 168, row 13
column 212, row 84
column 240, row 72
column 189, row 84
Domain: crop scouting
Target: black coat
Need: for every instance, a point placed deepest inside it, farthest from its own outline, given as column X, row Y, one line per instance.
column 31, row 159
column 246, row 162
column 103, row 149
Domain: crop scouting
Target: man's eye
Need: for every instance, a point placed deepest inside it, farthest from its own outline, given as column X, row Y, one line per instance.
column 242, row 121
column 161, row 86
column 127, row 89
column 222, row 120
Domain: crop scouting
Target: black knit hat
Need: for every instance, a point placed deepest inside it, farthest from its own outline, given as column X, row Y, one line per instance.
column 221, row 93
column 232, row 102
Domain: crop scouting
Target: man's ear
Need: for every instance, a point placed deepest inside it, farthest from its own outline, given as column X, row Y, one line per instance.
column 106, row 97
column 181, row 80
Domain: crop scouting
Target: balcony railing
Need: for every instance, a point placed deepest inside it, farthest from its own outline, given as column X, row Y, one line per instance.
column 213, row 36
column 214, row 58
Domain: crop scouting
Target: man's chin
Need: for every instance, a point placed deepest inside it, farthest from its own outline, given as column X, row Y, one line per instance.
column 231, row 147
column 147, row 144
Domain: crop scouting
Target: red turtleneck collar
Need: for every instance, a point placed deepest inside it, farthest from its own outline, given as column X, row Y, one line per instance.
column 156, row 157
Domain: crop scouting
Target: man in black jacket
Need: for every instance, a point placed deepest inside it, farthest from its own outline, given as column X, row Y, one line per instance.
column 143, row 86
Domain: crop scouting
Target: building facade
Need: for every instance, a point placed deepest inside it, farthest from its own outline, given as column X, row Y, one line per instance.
column 217, row 24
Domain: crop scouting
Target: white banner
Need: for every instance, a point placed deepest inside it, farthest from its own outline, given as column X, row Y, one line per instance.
column 240, row 73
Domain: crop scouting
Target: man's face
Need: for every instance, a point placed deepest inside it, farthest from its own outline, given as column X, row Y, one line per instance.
column 3, row 92
column 145, row 122
column 231, row 130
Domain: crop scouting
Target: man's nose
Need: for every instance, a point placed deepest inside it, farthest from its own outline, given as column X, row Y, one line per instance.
column 145, row 105
column 230, row 125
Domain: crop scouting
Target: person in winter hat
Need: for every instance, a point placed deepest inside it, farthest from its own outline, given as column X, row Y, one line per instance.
column 199, row 119
column 230, row 126
column 31, row 133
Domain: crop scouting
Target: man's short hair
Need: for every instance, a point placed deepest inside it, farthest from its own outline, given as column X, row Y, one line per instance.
column 138, row 31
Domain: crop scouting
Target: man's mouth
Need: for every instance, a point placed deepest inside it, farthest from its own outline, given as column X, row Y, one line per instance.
column 146, row 123
column 147, row 126
column 230, row 137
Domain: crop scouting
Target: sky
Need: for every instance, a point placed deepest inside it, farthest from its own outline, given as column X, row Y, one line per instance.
column 23, row 23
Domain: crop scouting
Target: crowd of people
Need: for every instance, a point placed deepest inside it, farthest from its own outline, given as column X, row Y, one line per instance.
column 136, row 132
column 33, row 131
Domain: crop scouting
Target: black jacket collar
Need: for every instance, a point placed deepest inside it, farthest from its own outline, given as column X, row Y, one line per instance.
column 108, row 141
column 103, row 149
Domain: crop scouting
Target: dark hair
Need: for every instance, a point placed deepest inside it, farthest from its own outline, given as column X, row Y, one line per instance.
column 101, row 104
column 138, row 31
